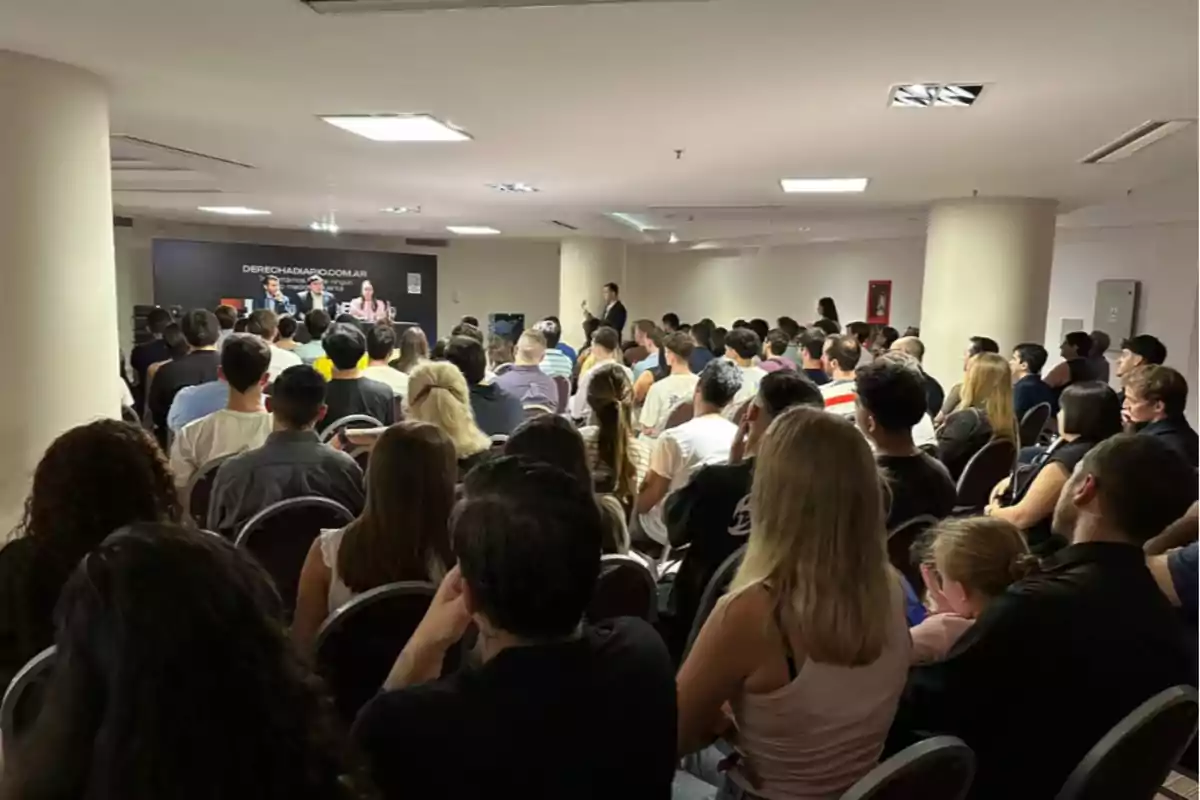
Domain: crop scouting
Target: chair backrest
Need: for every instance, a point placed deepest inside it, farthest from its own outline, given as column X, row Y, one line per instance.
column 281, row 534
column 358, row 643
column 716, row 587
column 681, row 413
column 199, row 489
column 564, row 392
column 361, row 455
column 1033, row 423
column 624, row 588
column 940, row 768
column 1134, row 758
column 989, row 466
column 349, row 421
column 899, row 545
column 23, row 698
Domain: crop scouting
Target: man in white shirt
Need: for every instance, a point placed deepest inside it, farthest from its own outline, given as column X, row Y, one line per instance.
column 681, row 451
column 265, row 324
column 606, row 344
column 381, row 342
column 840, row 359
column 741, row 346
column 679, row 386
column 243, row 424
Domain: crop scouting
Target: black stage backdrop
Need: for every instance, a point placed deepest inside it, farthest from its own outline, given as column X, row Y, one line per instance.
column 202, row 274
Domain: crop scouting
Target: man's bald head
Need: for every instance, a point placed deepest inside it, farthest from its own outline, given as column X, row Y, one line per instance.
column 910, row 345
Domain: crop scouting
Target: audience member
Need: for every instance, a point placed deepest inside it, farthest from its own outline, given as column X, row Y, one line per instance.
column 438, row 351
column 1138, row 351
column 227, row 318
column 681, row 451
column 774, row 354
column 401, row 535
column 810, row 350
column 670, row 322
column 469, row 320
column 1029, row 390
column 198, row 366
column 381, row 343
column 496, row 412
column 584, row 360
column 349, row 392
column 287, row 334
column 811, row 660
column 647, row 335
column 617, row 457
column 1076, row 349
column 742, row 346
column 177, row 348
column 759, row 326
column 316, row 322
column 677, row 387
column 884, row 340
column 840, row 358
column 149, row 352
column 265, row 325
column 438, row 394
column 1090, row 413
column 985, row 412
column 499, row 355
column 934, row 395
column 827, row 327
column 861, row 331
column 238, row 327
column 711, row 513
column 1101, row 341
column 171, row 642
column 291, row 463
column 605, row 346
column 90, row 481
column 1093, row 613
column 718, row 340
column 555, row 363
column 528, row 542
column 242, row 424
column 702, row 353
column 827, row 313
column 525, row 380
column 975, row 346
column 555, row 341
column 468, row 329
column 1155, row 399
column 1172, row 558
column 195, row 402
column 414, row 350
column 891, row 401
column 971, row 562
column 792, row 329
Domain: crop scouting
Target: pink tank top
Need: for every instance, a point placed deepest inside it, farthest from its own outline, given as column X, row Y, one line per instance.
column 823, row 731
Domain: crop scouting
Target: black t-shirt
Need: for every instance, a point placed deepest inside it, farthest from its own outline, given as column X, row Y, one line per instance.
column 817, row 376
column 589, row 718
column 1068, row 454
column 358, row 396
column 918, row 485
column 497, row 413
column 199, row 366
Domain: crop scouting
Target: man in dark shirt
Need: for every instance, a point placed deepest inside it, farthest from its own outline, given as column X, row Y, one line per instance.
column 1029, row 390
column 1053, row 664
column 541, row 716
column 349, row 392
column 496, row 411
column 292, row 462
column 712, row 512
column 935, row 396
column 147, row 353
column 812, row 347
column 1155, row 399
column 201, row 329
column 891, row 400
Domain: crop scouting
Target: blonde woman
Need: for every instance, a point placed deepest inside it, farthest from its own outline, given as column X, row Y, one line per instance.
column 985, row 412
column 437, row 393
column 810, row 647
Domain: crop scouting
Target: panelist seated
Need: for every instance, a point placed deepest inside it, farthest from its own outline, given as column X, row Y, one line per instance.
column 316, row 298
column 367, row 307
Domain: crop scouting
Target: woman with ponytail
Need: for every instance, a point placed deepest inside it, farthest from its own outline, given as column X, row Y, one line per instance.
column 618, row 459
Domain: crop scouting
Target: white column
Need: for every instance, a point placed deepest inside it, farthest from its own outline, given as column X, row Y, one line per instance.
column 584, row 266
column 987, row 273
column 56, row 261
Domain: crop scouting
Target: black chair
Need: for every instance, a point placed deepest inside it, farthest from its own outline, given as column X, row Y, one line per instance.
column 994, row 461
column 199, row 489
column 940, row 768
column 349, row 421
column 716, row 587
column 625, row 588
column 281, row 534
column 358, row 643
column 23, row 698
column 1134, row 758
column 1033, row 423
column 899, row 545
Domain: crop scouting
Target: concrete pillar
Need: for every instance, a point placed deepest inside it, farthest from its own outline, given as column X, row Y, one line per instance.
column 987, row 273
column 56, row 259
column 585, row 265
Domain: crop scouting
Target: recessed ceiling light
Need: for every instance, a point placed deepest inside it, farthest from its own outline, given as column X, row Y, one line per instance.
column 803, row 230
column 817, row 185
column 472, row 230
column 235, row 211
column 401, row 210
column 324, row 227
column 935, row 95
column 673, row 238
column 521, row 188
column 399, row 127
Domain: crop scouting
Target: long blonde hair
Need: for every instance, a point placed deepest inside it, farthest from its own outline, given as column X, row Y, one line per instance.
column 988, row 387
column 438, row 394
column 817, row 538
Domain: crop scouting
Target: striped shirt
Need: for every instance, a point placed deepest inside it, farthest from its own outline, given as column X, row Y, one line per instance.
column 556, row 364
column 840, row 397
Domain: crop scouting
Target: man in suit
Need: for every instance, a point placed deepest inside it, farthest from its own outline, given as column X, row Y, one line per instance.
column 614, row 310
column 316, row 297
column 274, row 299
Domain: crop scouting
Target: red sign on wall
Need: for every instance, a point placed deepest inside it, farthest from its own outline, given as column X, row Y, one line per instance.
column 879, row 302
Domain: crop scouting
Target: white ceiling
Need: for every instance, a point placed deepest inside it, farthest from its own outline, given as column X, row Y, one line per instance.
column 590, row 103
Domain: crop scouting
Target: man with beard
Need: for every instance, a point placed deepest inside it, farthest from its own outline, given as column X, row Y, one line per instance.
column 1053, row 664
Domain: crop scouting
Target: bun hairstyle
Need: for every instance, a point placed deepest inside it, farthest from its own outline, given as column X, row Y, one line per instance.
column 984, row 554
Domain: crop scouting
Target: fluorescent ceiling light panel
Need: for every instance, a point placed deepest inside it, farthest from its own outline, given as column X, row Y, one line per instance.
column 515, row 188
column 398, row 127
column 935, row 95
column 823, row 185
column 472, row 230
column 236, row 211
column 630, row 220
column 401, row 210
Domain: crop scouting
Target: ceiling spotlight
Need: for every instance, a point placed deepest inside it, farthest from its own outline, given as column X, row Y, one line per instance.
column 324, row 227
column 401, row 210
column 472, row 230
column 673, row 238
column 236, row 211
column 822, row 185
column 399, row 127
column 935, row 95
column 520, row 188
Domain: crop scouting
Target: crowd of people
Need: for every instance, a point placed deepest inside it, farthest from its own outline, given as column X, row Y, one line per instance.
column 501, row 471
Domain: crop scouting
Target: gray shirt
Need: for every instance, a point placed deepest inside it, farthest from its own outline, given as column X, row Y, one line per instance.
column 529, row 385
column 290, row 464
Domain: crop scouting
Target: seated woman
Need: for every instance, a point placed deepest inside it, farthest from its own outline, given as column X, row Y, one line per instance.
column 414, row 350
column 91, row 480
column 985, row 412
column 810, row 647
column 437, row 394
column 171, row 643
column 1089, row 412
column 400, row 536
column 615, row 453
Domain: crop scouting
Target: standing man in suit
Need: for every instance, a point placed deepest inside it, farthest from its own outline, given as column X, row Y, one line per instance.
column 614, row 310
column 315, row 297
column 274, row 299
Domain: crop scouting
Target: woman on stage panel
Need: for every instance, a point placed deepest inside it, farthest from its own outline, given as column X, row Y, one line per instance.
column 367, row 307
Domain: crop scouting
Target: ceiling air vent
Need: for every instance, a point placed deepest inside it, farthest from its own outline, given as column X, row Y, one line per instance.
column 562, row 224
column 373, row 6
column 1129, row 143
column 134, row 144
column 414, row 242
